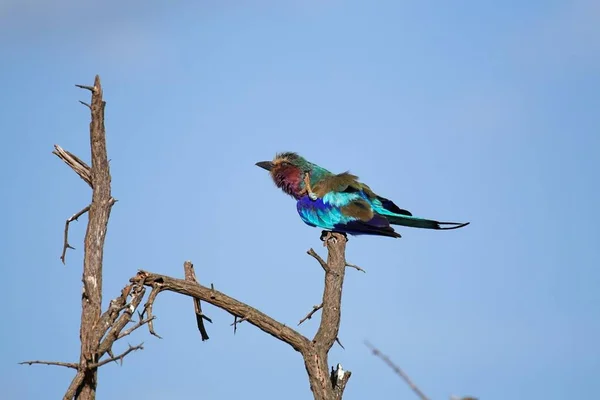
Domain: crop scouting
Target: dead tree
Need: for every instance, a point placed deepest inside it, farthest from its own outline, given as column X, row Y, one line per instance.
column 100, row 330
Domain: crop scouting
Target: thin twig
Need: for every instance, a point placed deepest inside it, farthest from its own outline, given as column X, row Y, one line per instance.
column 120, row 357
column 92, row 89
column 141, row 323
column 66, row 244
column 236, row 322
column 156, row 288
column 56, row 363
column 356, row 267
column 317, row 257
column 190, row 275
column 311, row 313
column 397, row 370
column 340, row 343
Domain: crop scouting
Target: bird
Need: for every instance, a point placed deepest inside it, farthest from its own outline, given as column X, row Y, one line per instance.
column 340, row 202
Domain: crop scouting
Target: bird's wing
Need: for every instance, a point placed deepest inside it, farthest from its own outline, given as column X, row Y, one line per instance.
column 348, row 183
column 336, row 183
column 344, row 203
column 343, row 210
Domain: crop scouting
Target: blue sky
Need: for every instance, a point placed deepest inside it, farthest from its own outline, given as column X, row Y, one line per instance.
column 474, row 111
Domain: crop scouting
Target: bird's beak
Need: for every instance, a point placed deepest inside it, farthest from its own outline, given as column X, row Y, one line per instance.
column 265, row 165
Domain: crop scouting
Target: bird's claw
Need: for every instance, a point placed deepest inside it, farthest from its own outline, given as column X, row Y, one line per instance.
column 326, row 235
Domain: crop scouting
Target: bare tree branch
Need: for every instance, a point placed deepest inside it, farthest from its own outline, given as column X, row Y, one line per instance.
column 229, row 304
column 339, row 378
column 137, row 294
column 76, row 383
column 109, row 326
column 120, row 357
column 317, row 257
column 397, row 370
column 99, row 331
column 332, row 295
column 356, row 267
column 139, row 324
column 109, row 317
column 66, row 244
column 315, row 357
column 190, row 275
column 311, row 313
column 56, row 363
column 156, row 288
column 94, row 89
column 79, row 166
column 313, row 352
column 237, row 321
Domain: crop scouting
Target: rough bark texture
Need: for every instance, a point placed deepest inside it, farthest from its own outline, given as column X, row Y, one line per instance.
column 315, row 356
column 229, row 304
column 190, row 275
column 313, row 352
column 99, row 331
column 99, row 213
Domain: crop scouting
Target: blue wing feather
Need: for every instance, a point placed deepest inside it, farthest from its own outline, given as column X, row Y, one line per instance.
column 326, row 213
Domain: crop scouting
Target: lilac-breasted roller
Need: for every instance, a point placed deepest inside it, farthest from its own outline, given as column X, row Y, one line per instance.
column 341, row 203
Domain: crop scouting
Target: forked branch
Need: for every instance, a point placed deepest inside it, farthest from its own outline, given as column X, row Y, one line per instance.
column 229, row 304
column 66, row 244
column 100, row 330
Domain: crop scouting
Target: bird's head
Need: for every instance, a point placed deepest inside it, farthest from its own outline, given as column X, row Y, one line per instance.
column 288, row 170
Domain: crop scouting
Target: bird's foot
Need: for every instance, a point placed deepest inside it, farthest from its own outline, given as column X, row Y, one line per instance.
column 326, row 235
column 307, row 187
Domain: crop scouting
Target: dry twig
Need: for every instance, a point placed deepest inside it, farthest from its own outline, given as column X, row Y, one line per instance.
column 77, row 164
column 236, row 322
column 311, row 313
column 66, row 244
column 317, row 257
column 120, row 357
column 190, row 275
column 56, row 363
column 397, row 370
column 148, row 308
column 139, row 324
column 356, row 267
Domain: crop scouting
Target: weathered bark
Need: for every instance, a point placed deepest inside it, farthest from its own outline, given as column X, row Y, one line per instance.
column 99, row 331
column 99, row 213
column 315, row 355
column 313, row 352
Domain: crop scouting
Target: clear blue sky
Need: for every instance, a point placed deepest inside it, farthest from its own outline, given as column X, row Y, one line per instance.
column 474, row 111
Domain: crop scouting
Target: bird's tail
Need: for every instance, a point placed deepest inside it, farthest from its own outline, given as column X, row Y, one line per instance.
column 416, row 222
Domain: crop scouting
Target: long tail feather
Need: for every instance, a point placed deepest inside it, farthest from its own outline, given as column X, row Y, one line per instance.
column 416, row 222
